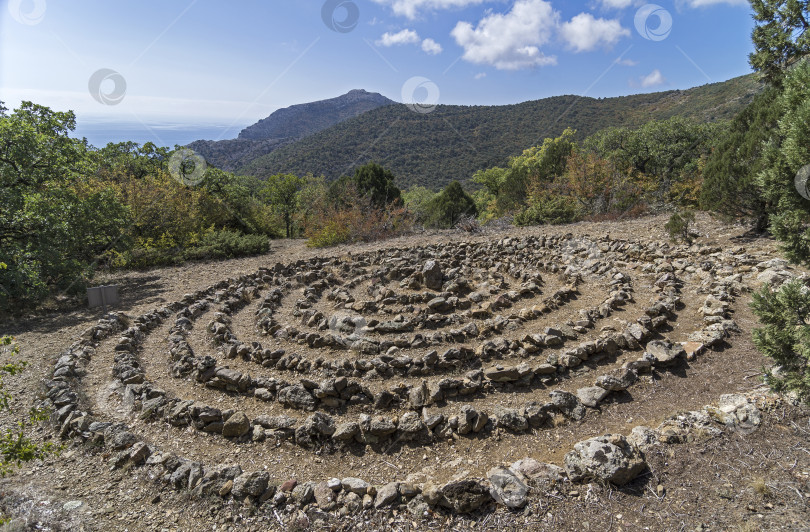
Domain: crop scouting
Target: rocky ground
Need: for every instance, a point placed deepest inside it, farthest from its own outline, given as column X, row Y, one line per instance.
column 590, row 376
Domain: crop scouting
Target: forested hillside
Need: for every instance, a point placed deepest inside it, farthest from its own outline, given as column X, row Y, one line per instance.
column 453, row 142
column 285, row 126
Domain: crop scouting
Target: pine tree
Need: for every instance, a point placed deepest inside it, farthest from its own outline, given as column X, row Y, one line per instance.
column 785, row 335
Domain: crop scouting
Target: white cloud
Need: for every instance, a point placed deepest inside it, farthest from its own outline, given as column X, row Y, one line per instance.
column 510, row 41
column 626, row 62
column 584, row 32
column 616, row 4
column 429, row 46
column 481, row 75
column 704, row 3
column 402, row 37
column 653, row 79
column 411, row 8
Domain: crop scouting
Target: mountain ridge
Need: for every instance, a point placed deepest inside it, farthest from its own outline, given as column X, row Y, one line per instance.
column 453, row 141
column 286, row 125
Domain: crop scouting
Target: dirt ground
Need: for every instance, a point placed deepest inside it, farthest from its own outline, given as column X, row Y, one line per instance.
column 735, row 481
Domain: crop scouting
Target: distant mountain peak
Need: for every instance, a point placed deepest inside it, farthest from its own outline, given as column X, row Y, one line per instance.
column 304, row 119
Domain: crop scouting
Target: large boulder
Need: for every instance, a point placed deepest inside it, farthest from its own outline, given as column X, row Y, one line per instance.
column 610, row 458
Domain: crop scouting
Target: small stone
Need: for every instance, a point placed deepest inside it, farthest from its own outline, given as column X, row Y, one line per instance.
column 592, row 395
column 387, row 495
column 355, row 485
column 237, row 425
column 507, row 488
column 226, row 488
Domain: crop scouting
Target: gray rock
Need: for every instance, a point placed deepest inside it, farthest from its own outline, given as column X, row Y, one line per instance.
column 591, row 396
column 302, row 494
column 507, row 488
column 464, row 496
column 387, row 495
column 501, row 374
column 511, row 419
column 123, row 440
column 432, row 275
column 642, row 437
column 439, row 304
column 380, row 426
column 664, row 353
column 538, row 414
column 346, row 431
column 610, row 458
column 250, row 484
column 355, row 485
column 617, row 382
column 568, row 404
column 324, row 496
column 410, row 423
column 237, row 425
column 538, row 471
column 297, row 397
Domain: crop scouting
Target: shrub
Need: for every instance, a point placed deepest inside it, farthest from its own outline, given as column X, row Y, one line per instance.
column 332, row 233
column 213, row 244
column 785, row 335
column 447, row 207
column 678, row 225
column 548, row 208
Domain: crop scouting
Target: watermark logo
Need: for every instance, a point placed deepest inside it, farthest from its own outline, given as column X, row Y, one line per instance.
column 340, row 15
column 107, row 86
column 28, row 12
column 802, row 182
column 653, row 22
column 187, row 166
column 420, row 94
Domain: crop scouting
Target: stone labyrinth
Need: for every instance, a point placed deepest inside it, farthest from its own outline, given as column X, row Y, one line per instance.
column 233, row 390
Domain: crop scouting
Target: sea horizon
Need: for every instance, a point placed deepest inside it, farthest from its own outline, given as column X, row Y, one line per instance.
column 165, row 134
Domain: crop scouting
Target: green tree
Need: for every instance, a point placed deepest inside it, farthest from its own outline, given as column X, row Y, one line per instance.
column 730, row 183
column 416, row 199
column 536, row 165
column 785, row 335
column 780, row 36
column 486, row 197
column 281, row 192
column 55, row 218
column 378, row 183
column 785, row 154
column 448, row 206
column 664, row 156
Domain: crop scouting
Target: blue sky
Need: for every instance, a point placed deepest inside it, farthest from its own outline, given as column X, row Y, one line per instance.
column 218, row 66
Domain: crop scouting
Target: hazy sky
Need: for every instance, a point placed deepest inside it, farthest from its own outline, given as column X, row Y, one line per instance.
column 204, row 62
